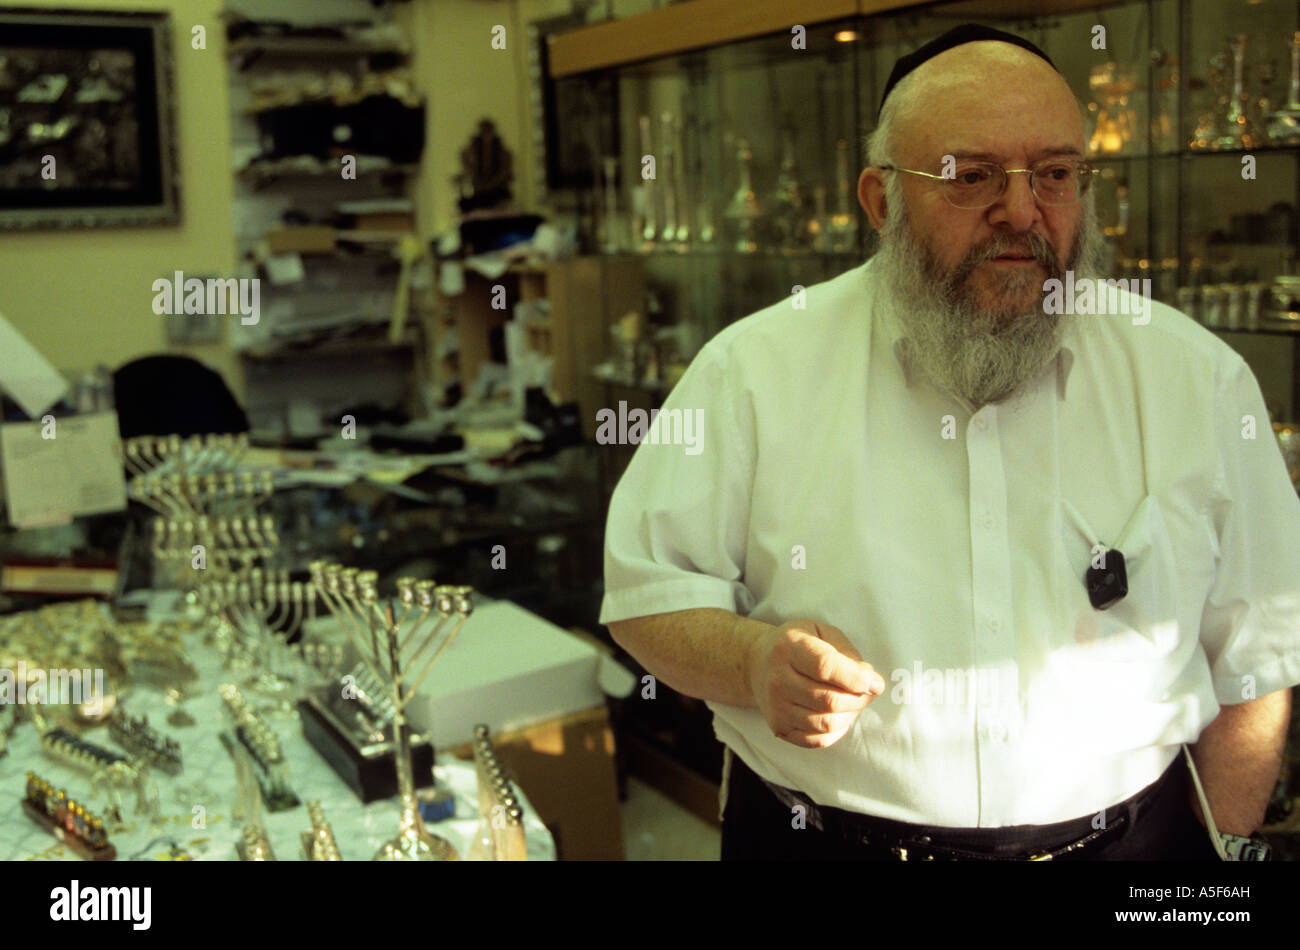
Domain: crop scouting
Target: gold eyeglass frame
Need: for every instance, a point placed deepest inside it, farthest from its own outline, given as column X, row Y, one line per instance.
column 1085, row 169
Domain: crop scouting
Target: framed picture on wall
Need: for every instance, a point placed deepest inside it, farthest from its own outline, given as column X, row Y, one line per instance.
column 87, row 131
column 574, row 120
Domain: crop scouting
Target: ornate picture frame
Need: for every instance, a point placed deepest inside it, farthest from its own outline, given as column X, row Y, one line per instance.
column 87, row 123
column 574, row 120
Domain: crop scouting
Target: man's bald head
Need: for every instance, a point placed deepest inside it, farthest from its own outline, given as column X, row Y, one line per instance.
column 985, row 86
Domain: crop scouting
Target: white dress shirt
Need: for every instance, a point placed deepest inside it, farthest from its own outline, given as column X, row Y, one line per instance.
column 830, row 482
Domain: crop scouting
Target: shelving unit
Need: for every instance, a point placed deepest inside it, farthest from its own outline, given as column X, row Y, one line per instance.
column 350, row 286
column 263, row 172
column 311, row 47
column 587, row 294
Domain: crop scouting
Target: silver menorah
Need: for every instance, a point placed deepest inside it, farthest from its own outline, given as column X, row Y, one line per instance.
column 206, row 530
column 229, row 546
column 252, row 619
column 184, row 477
column 394, row 645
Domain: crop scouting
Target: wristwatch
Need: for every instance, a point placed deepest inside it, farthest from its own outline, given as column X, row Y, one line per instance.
column 1238, row 848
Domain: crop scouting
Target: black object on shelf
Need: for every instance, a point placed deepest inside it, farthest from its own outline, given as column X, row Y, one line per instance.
column 174, row 395
column 561, row 425
column 377, row 125
column 397, row 441
column 481, row 235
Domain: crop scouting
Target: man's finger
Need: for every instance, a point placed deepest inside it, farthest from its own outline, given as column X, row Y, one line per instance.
column 815, row 696
column 817, row 659
column 819, row 723
column 801, row 720
column 836, row 638
column 810, row 740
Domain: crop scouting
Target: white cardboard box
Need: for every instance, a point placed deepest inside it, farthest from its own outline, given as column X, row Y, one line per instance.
column 507, row 668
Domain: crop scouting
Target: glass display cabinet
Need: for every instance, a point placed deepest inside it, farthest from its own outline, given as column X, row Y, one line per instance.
column 725, row 151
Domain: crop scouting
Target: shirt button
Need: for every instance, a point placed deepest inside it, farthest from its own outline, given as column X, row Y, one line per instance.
column 990, row 522
column 993, row 624
column 981, row 425
column 997, row 732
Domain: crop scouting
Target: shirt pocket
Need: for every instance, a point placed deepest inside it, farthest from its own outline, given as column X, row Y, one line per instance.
column 1132, row 642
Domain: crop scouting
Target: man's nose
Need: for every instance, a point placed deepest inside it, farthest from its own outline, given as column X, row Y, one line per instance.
column 1017, row 208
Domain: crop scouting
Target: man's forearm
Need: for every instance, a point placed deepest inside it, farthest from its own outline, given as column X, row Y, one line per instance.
column 1238, row 757
column 701, row 653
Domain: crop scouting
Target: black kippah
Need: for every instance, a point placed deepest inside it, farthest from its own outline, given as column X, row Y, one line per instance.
column 966, row 33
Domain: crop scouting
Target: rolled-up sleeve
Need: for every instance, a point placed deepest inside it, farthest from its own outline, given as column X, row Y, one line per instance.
column 1250, row 628
column 678, row 520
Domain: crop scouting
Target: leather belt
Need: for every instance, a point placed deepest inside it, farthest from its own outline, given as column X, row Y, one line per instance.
column 908, row 842
column 923, row 847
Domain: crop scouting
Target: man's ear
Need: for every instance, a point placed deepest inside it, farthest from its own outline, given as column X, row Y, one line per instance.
column 871, row 195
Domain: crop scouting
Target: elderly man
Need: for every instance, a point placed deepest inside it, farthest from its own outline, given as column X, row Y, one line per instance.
column 960, row 575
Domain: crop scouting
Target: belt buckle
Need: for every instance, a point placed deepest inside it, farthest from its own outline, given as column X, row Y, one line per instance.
column 1087, row 840
column 904, row 853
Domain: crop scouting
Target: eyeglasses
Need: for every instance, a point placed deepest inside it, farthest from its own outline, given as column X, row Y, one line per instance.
column 974, row 185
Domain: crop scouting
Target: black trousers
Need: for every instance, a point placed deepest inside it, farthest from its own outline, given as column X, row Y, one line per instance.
column 1159, row 825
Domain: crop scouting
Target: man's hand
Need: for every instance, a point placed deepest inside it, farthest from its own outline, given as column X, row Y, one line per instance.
column 809, row 682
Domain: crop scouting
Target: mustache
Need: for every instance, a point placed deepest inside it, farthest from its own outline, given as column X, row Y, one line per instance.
column 1030, row 244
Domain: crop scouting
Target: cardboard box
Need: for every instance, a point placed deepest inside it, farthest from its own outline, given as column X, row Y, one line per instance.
column 510, row 669
column 566, row 769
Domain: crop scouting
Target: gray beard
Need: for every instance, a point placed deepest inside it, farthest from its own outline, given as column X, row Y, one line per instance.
column 978, row 354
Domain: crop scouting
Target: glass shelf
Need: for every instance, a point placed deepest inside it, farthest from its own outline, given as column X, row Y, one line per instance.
column 1270, row 330
column 1238, row 152
column 1197, row 153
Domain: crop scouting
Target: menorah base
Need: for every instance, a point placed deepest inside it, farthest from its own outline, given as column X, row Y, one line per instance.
column 418, row 845
column 369, row 770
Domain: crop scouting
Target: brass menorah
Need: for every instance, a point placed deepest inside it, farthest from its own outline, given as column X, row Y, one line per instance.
column 394, row 645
